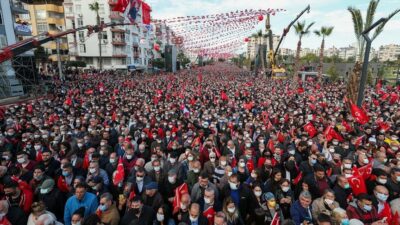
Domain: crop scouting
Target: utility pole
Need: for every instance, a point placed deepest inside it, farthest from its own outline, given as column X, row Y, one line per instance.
column 60, row 73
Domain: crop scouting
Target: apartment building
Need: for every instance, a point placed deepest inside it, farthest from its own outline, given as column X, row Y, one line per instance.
column 120, row 45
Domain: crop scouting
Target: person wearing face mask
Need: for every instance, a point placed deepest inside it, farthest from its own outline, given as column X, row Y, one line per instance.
column 157, row 174
column 195, row 216
column 183, row 211
column 393, row 184
column 210, row 165
column 307, row 167
column 77, row 217
column 363, row 210
column 52, row 198
column 108, row 211
column 270, row 208
column 241, row 169
column 26, row 166
column 284, row 196
column 343, row 191
column 152, row 196
column 232, row 212
column 209, row 204
column 241, row 195
column 38, row 178
column 381, row 179
column 112, row 164
column 94, row 171
column 193, row 175
column 169, row 184
column 18, row 196
column 219, row 171
column 379, row 200
column 139, row 180
column 142, row 214
column 163, row 216
column 318, row 182
column 325, row 204
column 173, row 163
column 198, row 189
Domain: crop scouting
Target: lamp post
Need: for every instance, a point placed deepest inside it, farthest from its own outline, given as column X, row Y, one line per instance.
column 366, row 59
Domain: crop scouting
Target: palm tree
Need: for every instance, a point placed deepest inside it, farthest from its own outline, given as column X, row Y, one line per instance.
column 301, row 30
column 359, row 26
column 95, row 8
column 260, row 37
column 323, row 32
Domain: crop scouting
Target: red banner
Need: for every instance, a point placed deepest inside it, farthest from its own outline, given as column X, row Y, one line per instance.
column 146, row 9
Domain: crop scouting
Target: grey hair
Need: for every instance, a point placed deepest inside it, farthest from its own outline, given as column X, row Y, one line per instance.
column 107, row 196
column 306, row 194
column 209, row 189
column 47, row 219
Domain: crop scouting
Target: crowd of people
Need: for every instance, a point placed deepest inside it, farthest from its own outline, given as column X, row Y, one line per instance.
column 210, row 146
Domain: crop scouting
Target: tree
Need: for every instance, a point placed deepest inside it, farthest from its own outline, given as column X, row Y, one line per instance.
column 351, row 59
column 159, row 63
column 183, row 59
column 323, row 32
column 309, row 58
column 301, row 30
column 95, row 8
column 359, row 26
column 333, row 73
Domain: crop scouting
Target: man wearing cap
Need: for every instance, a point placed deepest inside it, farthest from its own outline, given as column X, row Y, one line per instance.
column 52, row 198
column 152, row 197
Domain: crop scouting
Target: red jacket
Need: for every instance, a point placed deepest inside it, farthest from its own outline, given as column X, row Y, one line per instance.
column 386, row 212
column 26, row 200
column 354, row 212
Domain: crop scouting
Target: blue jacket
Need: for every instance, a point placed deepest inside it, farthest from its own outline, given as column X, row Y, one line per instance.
column 89, row 201
column 299, row 214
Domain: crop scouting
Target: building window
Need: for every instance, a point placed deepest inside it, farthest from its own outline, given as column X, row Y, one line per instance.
column 128, row 61
column 101, row 9
column 78, row 9
column 82, row 48
column 69, row 9
column 3, row 41
column 101, row 20
column 41, row 14
column 42, row 27
column 104, row 36
column 1, row 17
column 80, row 22
column 81, row 36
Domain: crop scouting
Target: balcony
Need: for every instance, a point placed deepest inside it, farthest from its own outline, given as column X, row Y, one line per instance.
column 117, row 30
column 51, row 20
column 119, row 55
column 18, row 7
column 116, row 16
column 118, row 42
column 22, row 30
column 135, row 44
column 136, row 55
column 70, row 15
column 55, row 8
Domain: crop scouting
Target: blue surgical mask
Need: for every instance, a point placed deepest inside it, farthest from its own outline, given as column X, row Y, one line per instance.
column 367, row 208
column 381, row 197
column 345, row 221
column 103, row 207
column 65, row 173
column 346, row 186
column 313, row 161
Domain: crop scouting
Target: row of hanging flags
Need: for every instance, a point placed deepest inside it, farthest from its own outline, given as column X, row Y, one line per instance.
column 134, row 7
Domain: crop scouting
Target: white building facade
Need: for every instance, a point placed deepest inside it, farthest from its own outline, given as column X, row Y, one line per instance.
column 120, row 45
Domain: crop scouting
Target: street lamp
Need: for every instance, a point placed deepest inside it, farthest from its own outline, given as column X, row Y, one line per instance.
column 366, row 59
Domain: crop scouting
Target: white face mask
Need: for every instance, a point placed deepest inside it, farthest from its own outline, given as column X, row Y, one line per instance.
column 329, row 201
column 172, row 180
column 366, row 161
column 233, row 186
column 207, row 200
column 229, row 174
column 160, row 217
column 231, row 210
column 172, row 160
column 347, row 166
column 190, row 158
column 382, row 181
column 193, row 219
column 92, row 170
column 242, row 164
column 196, row 170
column 157, row 168
column 129, row 157
column 285, row 189
column 183, row 206
column 37, row 147
column 21, row 160
column 112, row 160
column 257, row 193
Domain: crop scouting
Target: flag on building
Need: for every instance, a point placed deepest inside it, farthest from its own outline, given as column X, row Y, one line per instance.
column 133, row 10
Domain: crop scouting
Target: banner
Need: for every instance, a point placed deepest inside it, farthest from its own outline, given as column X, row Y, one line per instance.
column 146, row 9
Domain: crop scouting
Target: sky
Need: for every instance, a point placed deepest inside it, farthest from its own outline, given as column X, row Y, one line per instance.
column 323, row 13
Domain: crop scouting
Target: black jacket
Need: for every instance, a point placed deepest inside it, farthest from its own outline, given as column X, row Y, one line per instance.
column 246, row 202
column 201, row 220
column 53, row 200
column 146, row 217
column 341, row 196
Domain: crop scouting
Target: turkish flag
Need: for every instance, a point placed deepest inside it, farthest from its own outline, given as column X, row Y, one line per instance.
column 300, row 90
column 359, row 115
column 119, row 174
column 271, row 145
column 383, row 126
column 209, row 214
column 395, row 219
column 347, row 126
column 330, row 134
column 359, row 141
column 393, row 98
column 275, row 220
column 121, row 6
column 281, row 137
column 250, row 165
column 68, row 101
column 224, row 97
column 357, row 184
column 365, row 171
column 310, row 129
column 85, row 164
column 179, row 191
column 114, row 116
column 376, row 102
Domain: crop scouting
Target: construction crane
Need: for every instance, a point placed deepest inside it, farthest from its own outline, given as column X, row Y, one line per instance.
column 18, row 48
column 276, row 71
